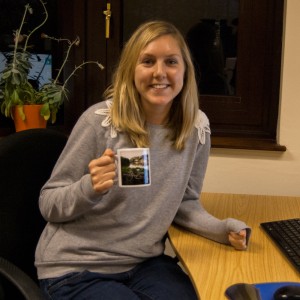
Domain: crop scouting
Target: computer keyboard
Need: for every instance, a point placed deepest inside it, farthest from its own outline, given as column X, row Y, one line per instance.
column 286, row 234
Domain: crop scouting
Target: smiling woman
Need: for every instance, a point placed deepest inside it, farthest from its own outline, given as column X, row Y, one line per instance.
column 82, row 194
column 181, row 100
column 159, row 77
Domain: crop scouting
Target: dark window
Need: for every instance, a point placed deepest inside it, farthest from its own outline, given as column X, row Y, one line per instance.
column 236, row 47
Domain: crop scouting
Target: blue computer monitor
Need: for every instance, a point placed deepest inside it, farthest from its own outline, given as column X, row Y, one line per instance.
column 41, row 71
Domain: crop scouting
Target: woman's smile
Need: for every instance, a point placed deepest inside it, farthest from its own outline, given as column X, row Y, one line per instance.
column 159, row 86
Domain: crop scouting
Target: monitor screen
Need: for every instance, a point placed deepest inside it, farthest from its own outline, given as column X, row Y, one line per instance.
column 41, row 71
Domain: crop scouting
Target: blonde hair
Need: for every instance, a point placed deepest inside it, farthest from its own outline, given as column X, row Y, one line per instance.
column 127, row 112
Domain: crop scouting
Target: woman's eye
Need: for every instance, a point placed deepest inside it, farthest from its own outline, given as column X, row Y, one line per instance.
column 172, row 61
column 147, row 61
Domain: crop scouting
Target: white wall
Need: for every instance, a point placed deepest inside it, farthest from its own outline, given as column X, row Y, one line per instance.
column 266, row 172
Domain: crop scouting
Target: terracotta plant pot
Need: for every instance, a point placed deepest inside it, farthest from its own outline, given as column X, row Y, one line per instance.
column 33, row 119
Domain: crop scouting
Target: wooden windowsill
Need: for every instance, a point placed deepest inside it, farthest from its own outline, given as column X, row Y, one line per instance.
column 246, row 143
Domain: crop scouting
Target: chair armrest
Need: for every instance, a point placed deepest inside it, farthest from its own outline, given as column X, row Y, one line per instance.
column 22, row 281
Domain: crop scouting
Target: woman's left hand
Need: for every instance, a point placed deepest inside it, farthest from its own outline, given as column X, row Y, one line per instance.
column 238, row 239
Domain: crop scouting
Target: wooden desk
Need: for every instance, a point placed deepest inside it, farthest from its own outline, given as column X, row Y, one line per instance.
column 213, row 267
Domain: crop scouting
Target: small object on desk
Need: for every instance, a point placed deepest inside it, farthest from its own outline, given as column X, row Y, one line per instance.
column 268, row 289
column 243, row 291
column 286, row 235
column 288, row 292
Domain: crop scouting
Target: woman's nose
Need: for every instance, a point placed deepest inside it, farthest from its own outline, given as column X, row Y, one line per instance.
column 159, row 70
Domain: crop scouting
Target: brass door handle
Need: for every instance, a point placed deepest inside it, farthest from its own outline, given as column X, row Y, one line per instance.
column 107, row 14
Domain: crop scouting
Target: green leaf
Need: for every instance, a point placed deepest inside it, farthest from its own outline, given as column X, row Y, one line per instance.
column 6, row 74
column 15, row 97
column 16, row 79
column 53, row 115
column 15, row 71
column 45, row 111
column 21, row 112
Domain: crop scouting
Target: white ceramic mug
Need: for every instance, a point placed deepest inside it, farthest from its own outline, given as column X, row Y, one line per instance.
column 134, row 167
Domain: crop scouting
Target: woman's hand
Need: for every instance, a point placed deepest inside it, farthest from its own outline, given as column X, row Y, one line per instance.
column 103, row 171
column 238, row 239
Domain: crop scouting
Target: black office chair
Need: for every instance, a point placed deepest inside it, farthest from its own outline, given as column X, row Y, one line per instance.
column 26, row 161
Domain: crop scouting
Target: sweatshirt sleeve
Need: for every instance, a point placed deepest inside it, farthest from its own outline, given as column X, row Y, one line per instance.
column 192, row 215
column 68, row 193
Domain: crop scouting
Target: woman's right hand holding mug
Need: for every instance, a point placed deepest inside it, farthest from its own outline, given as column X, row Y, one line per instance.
column 103, row 171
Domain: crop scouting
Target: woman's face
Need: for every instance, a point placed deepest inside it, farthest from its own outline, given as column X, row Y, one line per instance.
column 159, row 74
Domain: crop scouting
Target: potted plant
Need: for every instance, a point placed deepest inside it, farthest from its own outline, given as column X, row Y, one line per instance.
column 16, row 91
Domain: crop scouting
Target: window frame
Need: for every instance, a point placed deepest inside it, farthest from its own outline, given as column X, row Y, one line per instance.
column 249, row 119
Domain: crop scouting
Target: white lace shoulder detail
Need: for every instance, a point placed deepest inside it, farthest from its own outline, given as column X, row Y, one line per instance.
column 107, row 121
column 202, row 125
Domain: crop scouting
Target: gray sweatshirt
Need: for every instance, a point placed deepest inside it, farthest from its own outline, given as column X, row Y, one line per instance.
column 112, row 232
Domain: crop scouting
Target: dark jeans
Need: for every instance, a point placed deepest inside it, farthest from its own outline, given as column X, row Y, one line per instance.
column 157, row 278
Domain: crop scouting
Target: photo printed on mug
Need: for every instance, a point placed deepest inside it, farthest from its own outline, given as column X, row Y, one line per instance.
column 134, row 167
